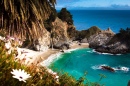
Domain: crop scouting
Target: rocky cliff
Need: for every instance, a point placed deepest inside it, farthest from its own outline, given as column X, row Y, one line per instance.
column 43, row 43
column 101, row 38
column 58, row 36
column 117, row 44
column 108, row 42
column 59, row 32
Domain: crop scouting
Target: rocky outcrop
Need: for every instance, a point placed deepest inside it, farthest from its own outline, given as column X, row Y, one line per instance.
column 89, row 32
column 108, row 42
column 60, row 36
column 117, row 48
column 57, row 37
column 100, row 39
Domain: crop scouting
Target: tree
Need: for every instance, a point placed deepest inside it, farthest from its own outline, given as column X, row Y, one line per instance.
column 25, row 17
column 48, row 23
column 65, row 15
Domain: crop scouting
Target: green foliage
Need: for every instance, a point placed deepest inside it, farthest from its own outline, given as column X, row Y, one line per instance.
column 52, row 16
column 87, row 33
column 7, row 63
column 101, row 77
column 66, row 80
column 81, row 80
column 122, row 36
column 72, row 32
column 65, row 15
column 96, row 83
column 48, row 23
column 124, row 33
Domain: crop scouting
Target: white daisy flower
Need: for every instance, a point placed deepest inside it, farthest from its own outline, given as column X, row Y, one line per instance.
column 57, row 78
column 21, row 75
column 2, row 38
column 8, row 45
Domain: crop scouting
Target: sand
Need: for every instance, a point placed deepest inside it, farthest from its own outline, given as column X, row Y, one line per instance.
column 37, row 57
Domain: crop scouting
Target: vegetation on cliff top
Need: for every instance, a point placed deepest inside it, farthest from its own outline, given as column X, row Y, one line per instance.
column 87, row 33
column 123, row 36
column 65, row 15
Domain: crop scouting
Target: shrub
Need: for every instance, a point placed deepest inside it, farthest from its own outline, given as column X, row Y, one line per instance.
column 65, row 15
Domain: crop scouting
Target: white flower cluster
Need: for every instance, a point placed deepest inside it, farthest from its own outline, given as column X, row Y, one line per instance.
column 21, row 75
column 2, row 38
column 9, row 41
column 54, row 74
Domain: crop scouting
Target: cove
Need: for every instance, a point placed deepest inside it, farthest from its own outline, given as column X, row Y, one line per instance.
column 77, row 62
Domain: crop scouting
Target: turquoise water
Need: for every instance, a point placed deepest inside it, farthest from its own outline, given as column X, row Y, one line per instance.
column 77, row 62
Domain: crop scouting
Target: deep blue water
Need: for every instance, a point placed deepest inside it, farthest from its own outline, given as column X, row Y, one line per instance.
column 115, row 19
column 77, row 62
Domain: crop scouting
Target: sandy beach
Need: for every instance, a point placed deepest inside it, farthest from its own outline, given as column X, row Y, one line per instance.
column 50, row 55
column 37, row 57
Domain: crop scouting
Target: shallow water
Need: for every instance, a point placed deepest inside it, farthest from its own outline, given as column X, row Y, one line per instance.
column 77, row 62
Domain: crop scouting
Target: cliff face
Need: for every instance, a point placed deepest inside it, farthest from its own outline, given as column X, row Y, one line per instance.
column 58, row 37
column 118, row 44
column 59, row 31
column 101, row 38
column 72, row 32
column 108, row 42
column 43, row 43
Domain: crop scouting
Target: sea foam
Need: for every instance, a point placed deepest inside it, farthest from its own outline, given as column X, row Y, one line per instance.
column 118, row 68
column 104, row 53
column 53, row 57
column 50, row 59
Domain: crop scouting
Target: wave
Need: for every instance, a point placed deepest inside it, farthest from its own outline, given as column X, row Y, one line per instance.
column 90, row 51
column 121, row 68
column 104, row 53
column 50, row 59
column 98, row 66
column 118, row 68
column 53, row 57
column 69, row 51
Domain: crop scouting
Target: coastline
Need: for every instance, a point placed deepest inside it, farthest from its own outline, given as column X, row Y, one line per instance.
column 52, row 56
column 44, row 58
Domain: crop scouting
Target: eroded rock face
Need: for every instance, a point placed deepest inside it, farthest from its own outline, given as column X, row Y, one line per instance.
column 59, row 31
column 107, row 42
column 43, row 43
column 56, row 38
column 100, row 38
column 117, row 48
